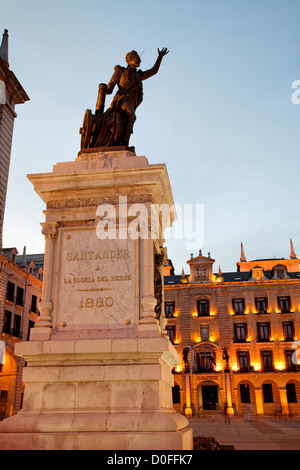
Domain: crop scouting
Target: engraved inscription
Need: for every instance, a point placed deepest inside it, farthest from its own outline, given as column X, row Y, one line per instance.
column 97, row 282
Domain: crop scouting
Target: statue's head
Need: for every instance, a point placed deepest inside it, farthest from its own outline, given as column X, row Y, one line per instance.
column 132, row 58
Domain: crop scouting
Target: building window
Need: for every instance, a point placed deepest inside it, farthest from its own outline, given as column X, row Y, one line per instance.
column 240, row 332
column 284, row 304
column 17, row 326
column 268, row 393
column 288, row 330
column 171, row 331
column 280, row 273
column 169, row 309
column 289, row 356
column 204, row 332
column 7, row 322
column 261, row 304
column 243, row 358
column 291, row 393
column 245, row 393
column 257, row 273
column 238, row 306
column 176, row 394
column 40, row 274
column 3, row 402
column 267, row 360
column 205, row 361
column 33, row 307
column 31, row 324
column 203, row 308
column 263, row 331
column 19, row 296
column 10, row 293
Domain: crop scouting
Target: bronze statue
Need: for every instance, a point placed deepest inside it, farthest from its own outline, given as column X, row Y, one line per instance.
column 114, row 127
column 185, row 353
column 158, row 284
column 225, row 356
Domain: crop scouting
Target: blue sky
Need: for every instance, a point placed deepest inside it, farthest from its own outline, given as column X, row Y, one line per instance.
column 219, row 113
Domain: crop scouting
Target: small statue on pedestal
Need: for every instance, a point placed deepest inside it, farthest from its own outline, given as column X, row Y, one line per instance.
column 185, row 353
column 225, row 356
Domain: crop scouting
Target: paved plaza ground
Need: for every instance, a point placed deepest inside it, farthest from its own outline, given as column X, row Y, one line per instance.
column 265, row 433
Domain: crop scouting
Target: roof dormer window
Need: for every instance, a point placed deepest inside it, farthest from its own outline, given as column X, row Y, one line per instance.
column 279, row 272
column 257, row 273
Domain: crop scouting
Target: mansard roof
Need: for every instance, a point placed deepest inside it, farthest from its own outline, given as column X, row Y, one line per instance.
column 236, row 276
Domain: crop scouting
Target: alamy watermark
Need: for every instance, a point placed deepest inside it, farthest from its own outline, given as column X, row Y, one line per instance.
column 296, row 94
column 136, row 220
column 296, row 353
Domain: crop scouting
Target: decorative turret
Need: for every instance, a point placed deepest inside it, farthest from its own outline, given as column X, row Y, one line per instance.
column 168, row 267
column 220, row 277
column 243, row 257
column 293, row 254
column 4, row 48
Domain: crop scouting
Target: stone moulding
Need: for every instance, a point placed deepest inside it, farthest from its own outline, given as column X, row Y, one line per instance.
column 94, row 202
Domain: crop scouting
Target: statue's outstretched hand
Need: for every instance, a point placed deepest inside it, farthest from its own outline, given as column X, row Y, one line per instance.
column 163, row 52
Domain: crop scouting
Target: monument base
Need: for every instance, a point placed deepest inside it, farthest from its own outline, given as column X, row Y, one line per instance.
column 99, row 368
column 114, row 440
column 113, row 394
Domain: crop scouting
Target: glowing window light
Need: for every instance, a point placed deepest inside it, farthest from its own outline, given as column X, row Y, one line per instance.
column 177, row 339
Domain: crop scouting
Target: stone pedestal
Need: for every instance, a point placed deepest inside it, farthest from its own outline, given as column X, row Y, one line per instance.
column 99, row 366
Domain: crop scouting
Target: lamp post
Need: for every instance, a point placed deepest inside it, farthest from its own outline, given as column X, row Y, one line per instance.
column 225, row 356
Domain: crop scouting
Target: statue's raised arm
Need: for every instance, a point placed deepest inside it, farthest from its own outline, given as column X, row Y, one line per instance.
column 155, row 68
column 114, row 127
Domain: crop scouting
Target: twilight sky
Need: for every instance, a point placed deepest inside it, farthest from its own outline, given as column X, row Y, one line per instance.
column 219, row 113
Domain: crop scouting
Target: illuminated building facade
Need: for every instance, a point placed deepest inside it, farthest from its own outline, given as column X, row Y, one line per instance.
column 237, row 334
column 20, row 293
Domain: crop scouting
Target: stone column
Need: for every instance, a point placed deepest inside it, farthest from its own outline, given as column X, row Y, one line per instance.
column 163, row 320
column 284, row 401
column 188, row 410
column 43, row 327
column 148, row 322
column 228, row 394
column 236, row 397
column 259, row 401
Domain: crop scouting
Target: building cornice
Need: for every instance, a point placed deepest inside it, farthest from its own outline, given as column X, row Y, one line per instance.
column 14, row 88
column 14, row 268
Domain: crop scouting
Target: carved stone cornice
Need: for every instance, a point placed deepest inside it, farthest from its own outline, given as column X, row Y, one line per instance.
column 97, row 201
column 13, row 85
